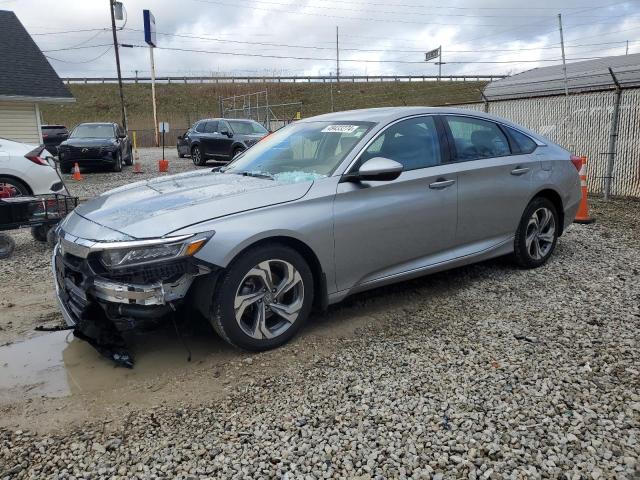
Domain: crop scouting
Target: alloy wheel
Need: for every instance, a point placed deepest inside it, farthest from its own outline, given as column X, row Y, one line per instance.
column 195, row 156
column 540, row 233
column 269, row 299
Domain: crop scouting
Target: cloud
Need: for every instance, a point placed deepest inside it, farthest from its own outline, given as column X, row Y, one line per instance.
column 525, row 36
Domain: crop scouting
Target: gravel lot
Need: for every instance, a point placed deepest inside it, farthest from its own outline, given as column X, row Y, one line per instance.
column 483, row 372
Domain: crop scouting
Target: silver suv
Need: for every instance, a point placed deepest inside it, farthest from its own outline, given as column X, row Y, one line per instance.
column 321, row 209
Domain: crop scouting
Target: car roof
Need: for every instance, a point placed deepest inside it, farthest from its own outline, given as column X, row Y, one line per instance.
column 52, row 126
column 227, row 119
column 96, row 123
column 386, row 115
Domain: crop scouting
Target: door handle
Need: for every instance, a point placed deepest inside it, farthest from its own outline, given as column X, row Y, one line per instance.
column 520, row 171
column 441, row 183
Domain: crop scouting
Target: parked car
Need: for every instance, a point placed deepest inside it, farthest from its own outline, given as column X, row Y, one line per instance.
column 96, row 145
column 323, row 208
column 54, row 135
column 219, row 139
column 27, row 170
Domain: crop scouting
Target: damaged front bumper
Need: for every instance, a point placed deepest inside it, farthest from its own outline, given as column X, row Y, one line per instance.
column 102, row 303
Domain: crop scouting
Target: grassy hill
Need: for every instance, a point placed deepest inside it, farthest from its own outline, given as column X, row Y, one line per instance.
column 182, row 104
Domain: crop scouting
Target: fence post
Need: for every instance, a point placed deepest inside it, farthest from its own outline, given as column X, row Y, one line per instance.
column 613, row 137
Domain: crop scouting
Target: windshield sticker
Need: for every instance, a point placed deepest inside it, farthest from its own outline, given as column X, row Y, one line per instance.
column 340, row 129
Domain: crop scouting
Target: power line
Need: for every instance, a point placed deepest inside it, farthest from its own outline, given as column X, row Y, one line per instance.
column 84, row 61
column 373, row 50
column 63, row 32
column 332, row 59
column 76, row 48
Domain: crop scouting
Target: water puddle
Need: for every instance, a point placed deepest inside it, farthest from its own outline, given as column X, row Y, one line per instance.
column 57, row 364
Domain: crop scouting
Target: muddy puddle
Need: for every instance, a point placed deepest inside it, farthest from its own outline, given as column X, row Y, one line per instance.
column 57, row 364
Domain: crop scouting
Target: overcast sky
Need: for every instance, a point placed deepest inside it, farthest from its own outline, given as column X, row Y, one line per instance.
column 375, row 35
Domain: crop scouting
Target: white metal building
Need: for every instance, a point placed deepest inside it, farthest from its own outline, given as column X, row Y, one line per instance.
column 26, row 81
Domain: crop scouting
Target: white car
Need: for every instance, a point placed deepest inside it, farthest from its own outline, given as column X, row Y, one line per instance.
column 27, row 170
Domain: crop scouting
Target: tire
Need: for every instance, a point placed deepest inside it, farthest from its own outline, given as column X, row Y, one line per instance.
column 180, row 155
column 52, row 237
column 19, row 187
column 41, row 232
column 537, row 233
column 236, row 151
column 7, row 245
column 64, row 168
column 197, row 156
column 129, row 160
column 117, row 165
column 295, row 301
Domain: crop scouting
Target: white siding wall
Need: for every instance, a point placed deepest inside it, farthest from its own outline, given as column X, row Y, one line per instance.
column 587, row 133
column 19, row 122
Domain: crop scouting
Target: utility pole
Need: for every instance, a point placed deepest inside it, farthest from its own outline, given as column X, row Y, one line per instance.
column 153, row 95
column 567, row 118
column 564, row 61
column 337, row 55
column 115, row 46
column 331, row 89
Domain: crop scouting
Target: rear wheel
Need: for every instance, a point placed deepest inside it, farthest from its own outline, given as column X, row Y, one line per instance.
column 65, row 168
column 197, row 157
column 537, row 233
column 263, row 298
column 12, row 187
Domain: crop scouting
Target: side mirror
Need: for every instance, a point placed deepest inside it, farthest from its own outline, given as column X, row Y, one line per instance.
column 122, row 135
column 226, row 132
column 179, row 137
column 378, row 169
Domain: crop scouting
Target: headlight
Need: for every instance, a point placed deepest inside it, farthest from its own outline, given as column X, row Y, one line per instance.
column 155, row 250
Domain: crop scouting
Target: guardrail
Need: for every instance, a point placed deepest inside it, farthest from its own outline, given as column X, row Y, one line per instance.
column 292, row 79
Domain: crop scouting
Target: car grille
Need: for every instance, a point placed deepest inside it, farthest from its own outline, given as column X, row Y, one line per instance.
column 85, row 152
column 71, row 281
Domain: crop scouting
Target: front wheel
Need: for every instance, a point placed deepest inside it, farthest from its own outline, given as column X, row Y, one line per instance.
column 263, row 298
column 537, row 233
column 129, row 160
column 197, row 157
column 117, row 165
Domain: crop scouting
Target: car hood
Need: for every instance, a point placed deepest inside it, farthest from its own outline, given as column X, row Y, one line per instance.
column 157, row 207
column 88, row 142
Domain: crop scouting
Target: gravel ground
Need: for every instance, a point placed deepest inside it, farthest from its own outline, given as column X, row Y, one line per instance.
column 483, row 372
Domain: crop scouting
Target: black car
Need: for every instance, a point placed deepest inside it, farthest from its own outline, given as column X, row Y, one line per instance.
column 96, row 145
column 53, row 135
column 219, row 139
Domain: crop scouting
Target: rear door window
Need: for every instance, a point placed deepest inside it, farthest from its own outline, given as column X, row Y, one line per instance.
column 200, row 127
column 475, row 139
column 522, row 143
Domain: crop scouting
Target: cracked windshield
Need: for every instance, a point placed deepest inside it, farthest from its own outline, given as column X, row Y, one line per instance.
column 301, row 152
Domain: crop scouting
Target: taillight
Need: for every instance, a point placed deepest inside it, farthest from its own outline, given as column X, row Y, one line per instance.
column 45, row 135
column 34, row 156
column 577, row 162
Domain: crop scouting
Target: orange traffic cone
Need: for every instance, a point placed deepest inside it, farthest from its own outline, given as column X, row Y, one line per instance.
column 163, row 165
column 76, row 172
column 583, row 210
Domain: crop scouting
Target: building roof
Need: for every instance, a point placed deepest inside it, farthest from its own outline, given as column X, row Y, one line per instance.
column 590, row 75
column 26, row 74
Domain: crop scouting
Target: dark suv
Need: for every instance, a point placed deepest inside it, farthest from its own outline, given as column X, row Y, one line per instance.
column 219, row 139
column 96, row 145
column 54, row 135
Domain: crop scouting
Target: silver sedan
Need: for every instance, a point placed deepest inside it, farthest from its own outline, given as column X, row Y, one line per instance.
column 323, row 208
